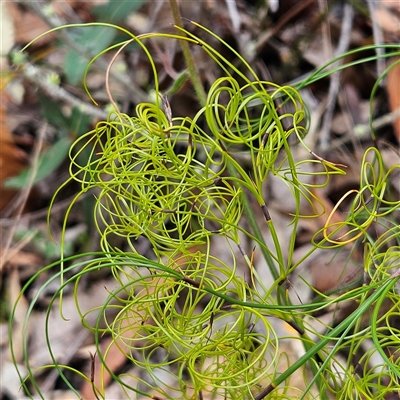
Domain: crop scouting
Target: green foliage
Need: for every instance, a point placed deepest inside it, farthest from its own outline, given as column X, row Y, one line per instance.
column 178, row 182
column 116, row 11
column 40, row 242
column 68, row 128
column 95, row 39
column 48, row 162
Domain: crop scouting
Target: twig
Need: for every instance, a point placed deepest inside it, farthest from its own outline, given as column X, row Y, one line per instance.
column 326, row 31
column 378, row 123
column 155, row 13
column 342, row 47
column 234, row 15
column 378, row 39
column 11, row 252
column 194, row 76
column 360, row 131
column 36, row 76
column 265, row 37
column 54, row 21
column 24, row 197
column 32, row 216
column 69, row 353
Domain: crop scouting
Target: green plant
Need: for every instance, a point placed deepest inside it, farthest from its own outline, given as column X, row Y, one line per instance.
column 178, row 183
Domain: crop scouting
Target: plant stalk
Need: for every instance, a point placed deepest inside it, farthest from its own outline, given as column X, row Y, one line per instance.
column 194, row 76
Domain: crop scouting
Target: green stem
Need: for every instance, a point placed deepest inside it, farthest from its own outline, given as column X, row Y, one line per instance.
column 344, row 327
column 254, row 226
column 194, row 76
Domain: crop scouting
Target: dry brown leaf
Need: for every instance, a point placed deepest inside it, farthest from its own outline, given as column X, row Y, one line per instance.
column 12, row 159
column 391, row 160
column 393, row 88
column 27, row 25
column 325, row 208
column 14, row 289
column 328, row 274
column 324, row 270
column 392, row 4
column 28, row 263
column 65, row 333
column 115, row 359
column 388, row 21
column 6, row 33
column 114, row 350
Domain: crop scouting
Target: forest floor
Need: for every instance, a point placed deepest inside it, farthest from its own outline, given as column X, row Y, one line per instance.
column 44, row 108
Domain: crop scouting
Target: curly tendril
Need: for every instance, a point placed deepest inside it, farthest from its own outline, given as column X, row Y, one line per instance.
column 189, row 317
